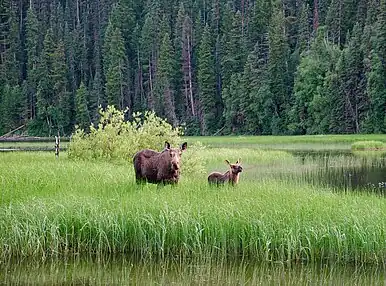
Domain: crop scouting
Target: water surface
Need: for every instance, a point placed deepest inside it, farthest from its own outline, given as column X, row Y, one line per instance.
column 344, row 170
column 124, row 271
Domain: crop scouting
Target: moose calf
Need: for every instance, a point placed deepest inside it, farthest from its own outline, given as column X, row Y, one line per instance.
column 231, row 176
column 158, row 167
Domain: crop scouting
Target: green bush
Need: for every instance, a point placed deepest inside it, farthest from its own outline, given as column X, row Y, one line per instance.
column 116, row 138
column 368, row 145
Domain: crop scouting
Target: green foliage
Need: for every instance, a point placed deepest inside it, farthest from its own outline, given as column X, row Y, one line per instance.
column 82, row 115
column 115, row 63
column 206, row 84
column 115, row 138
column 233, row 115
column 310, row 112
column 11, row 108
column 256, row 95
column 164, row 89
column 278, row 70
column 119, row 50
column 368, row 145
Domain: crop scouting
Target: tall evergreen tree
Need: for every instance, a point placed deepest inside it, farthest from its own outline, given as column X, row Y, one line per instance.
column 304, row 29
column 33, row 51
column 82, row 115
column 278, row 70
column 149, row 49
column 10, row 66
column 376, row 75
column 11, row 108
column 334, row 21
column 375, row 121
column 256, row 88
column 310, row 111
column 47, row 111
column 207, row 84
column 164, row 89
column 62, row 99
column 115, row 65
column 233, row 58
column 233, row 114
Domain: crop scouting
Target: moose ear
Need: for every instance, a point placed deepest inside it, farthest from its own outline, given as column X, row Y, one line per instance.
column 184, row 146
column 167, row 145
column 238, row 161
column 226, row 161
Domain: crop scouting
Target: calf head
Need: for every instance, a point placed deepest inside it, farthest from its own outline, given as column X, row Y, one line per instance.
column 235, row 168
column 174, row 155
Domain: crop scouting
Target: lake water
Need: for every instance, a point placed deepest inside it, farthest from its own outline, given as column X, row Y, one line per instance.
column 344, row 170
column 123, row 271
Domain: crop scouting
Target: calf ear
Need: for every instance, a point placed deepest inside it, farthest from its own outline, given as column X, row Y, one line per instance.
column 167, row 145
column 238, row 161
column 226, row 161
column 184, row 146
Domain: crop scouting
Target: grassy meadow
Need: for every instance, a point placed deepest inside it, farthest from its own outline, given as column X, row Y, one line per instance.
column 306, row 142
column 54, row 207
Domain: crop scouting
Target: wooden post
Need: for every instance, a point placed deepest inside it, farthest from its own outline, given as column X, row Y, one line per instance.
column 57, row 145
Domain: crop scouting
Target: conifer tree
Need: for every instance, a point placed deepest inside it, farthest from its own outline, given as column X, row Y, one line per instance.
column 334, row 21
column 45, row 104
column 207, row 84
column 33, row 51
column 278, row 70
column 233, row 115
column 164, row 89
column 115, row 66
column 82, row 115
column 11, row 107
column 376, row 75
column 232, row 60
column 375, row 121
column 62, row 99
column 256, row 90
column 149, row 54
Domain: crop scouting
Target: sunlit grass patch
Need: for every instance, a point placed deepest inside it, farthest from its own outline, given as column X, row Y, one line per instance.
column 368, row 145
column 288, row 142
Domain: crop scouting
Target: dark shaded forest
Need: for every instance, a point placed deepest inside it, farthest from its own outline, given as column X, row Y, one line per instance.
column 215, row 67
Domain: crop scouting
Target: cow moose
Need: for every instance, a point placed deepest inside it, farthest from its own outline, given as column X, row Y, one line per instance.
column 231, row 176
column 160, row 168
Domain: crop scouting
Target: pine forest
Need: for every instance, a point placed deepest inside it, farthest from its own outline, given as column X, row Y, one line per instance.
column 250, row 67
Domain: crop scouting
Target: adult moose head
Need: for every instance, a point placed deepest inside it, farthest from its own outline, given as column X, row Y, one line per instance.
column 158, row 167
column 231, row 176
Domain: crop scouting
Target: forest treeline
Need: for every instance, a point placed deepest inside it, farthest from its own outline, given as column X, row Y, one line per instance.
column 215, row 67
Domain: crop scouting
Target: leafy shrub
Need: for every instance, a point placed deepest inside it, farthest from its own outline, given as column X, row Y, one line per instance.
column 193, row 161
column 368, row 145
column 115, row 138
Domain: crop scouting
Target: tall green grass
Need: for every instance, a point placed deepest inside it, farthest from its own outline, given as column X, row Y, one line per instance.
column 303, row 142
column 368, row 145
column 52, row 207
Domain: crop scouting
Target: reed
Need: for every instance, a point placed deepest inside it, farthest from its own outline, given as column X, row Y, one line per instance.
column 303, row 142
column 60, row 207
column 368, row 145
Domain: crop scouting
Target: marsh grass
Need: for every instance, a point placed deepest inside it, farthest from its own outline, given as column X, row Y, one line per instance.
column 34, row 144
column 51, row 208
column 368, row 145
column 304, row 142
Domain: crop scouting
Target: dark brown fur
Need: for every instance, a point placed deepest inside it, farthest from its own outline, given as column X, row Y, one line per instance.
column 158, row 167
column 231, row 176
